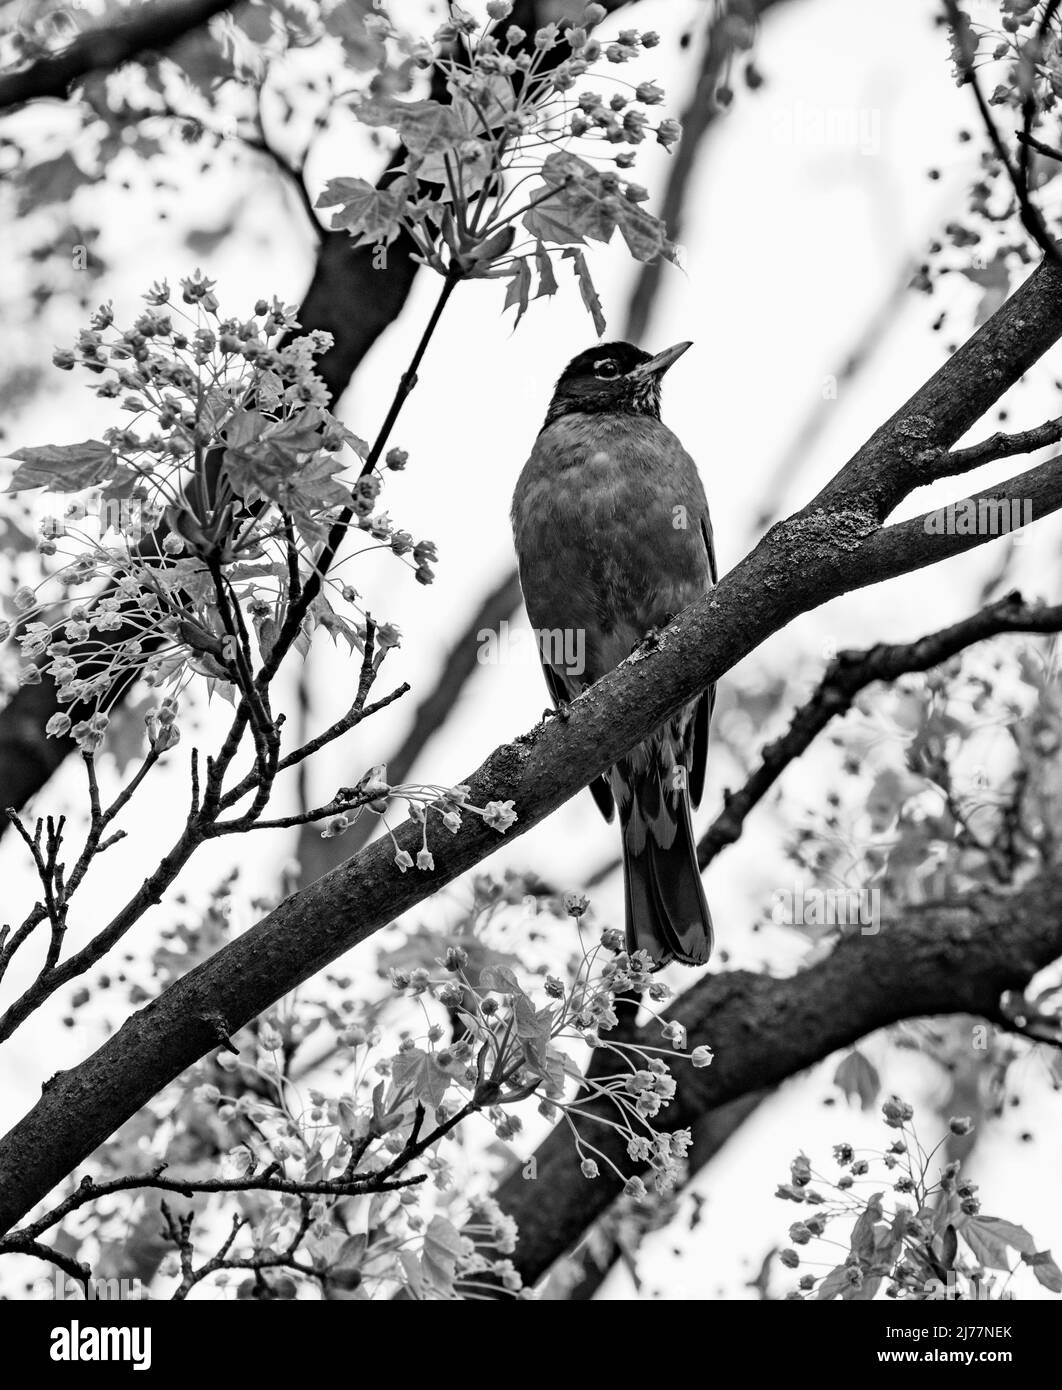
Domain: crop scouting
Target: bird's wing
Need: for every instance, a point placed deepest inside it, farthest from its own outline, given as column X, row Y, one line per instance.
column 602, row 794
column 709, row 545
column 702, row 717
column 599, row 787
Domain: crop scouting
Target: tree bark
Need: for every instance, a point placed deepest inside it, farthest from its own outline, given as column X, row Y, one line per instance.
column 142, row 29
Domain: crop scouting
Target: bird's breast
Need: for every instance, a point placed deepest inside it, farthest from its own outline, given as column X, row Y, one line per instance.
column 607, row 523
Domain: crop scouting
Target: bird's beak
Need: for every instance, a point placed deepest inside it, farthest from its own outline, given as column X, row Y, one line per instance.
column 658, row 365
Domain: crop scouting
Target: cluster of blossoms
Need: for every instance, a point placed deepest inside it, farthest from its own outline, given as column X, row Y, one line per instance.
column 420, row 556
column 160, row 720
column 309, row 1096
column 229, row 474
column 448, row 803
column 516, row 104
column 514, row 1047
column 426, row 1236
column 153, row 362
column 912, row 1248
column 367, row 1097
column 507, row 57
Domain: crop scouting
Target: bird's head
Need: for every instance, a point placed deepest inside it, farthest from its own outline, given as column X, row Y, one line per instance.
column 613, row 378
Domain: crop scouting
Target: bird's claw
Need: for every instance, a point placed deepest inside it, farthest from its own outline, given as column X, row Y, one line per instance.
column 562, row 711
column 651, row 640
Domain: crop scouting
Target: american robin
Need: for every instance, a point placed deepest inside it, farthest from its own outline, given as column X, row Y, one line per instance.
column 613, row 539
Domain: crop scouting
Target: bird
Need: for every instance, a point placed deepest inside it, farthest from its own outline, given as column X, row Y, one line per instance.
column 613, row 539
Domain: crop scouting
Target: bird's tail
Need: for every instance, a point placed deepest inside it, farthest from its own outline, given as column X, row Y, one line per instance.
column 667, row 913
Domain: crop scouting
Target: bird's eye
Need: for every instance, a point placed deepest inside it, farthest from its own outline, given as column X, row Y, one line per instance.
column 607, row 367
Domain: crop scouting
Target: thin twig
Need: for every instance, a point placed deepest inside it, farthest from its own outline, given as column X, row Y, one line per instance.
column 850, row 673
column 268, row 1181
column 312, row 587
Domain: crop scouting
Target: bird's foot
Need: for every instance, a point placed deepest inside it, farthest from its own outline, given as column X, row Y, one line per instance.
column 651, row 640
column 562, row 711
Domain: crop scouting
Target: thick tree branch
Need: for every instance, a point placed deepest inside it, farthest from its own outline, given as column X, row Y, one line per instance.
column 815, row 555
column 951, row 958
column 900, row 456
column 143, row 29
column 803, row 441
column 940, row 534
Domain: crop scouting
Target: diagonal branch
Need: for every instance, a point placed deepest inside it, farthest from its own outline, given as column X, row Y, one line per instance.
column 142, row 29
column 858, row 357
column 48, row 1253
column 937, row 535
column 900, row 456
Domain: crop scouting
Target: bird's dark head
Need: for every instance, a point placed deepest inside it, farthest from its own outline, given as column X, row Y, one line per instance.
column 613, row 378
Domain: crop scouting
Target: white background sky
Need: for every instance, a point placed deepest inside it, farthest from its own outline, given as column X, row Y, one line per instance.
column 792, row 242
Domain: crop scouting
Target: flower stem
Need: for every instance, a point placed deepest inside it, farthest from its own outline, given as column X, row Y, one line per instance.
column 312, row 587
